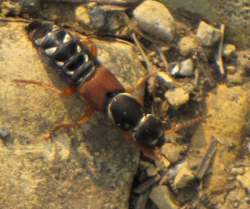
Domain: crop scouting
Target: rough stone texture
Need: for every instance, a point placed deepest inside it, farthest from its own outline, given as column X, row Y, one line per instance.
column 91, row 167
column 188, row 45
column 229, row 50
column 88, row 18
column 245, row 179
column 173, row 151
column 183, row 177
column 234, row 13
column 162, row 197
column 154, row 18
column 227, row 111
column 82, row 15
column 177, row 96
column 208, row 34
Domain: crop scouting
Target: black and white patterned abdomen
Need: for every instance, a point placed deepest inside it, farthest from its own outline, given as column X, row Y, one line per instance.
column 71, row 58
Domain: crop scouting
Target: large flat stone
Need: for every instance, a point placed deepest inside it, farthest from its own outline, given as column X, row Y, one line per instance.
column 91, row 167
column 227, row 112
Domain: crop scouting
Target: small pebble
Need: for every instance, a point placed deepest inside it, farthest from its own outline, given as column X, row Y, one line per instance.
column 4, row 134
column 231, row 69
column 173, row 151
column 155, row 19
column 177, row 97
column 183, row 177
column 238, row 171
column 152, row 171
column 188, row 45
column 245, row 179
column 97, row 16
column 236, row 204
column 184, row 69
column 163, row 198
column 208, row 34
column 31, row 6
column 229, row 50
column 82, row 15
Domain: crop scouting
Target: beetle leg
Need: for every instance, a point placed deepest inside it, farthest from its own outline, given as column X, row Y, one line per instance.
column 66, row 92
column 140, row 83
column 152, row 153
column 84, row 119
column 187, row 124
column 92, row 46
column 155, row 154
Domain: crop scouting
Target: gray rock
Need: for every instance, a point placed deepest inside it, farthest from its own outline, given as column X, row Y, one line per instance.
column 163, row 198
column 188, row 45
column 90, row 167
column 97, row 16
column 208, row 34
column 155, row 19
column 234, row 14
column 109, row 20
column 187, row 67
column 183, row 69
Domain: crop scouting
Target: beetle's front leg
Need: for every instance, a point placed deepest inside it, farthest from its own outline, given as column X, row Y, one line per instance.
column 84, row 119
column 68, row 91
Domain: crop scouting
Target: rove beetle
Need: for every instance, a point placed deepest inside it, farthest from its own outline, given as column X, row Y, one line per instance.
column 76, row 63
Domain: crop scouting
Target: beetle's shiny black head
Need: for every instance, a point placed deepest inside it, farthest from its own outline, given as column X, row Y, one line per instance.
column 125, row 111
column 33, row 26
column 150, row 132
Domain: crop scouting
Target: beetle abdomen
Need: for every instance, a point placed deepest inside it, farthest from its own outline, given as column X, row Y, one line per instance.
column 70, row 57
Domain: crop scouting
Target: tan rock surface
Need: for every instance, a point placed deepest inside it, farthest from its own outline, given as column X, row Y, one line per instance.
column 91, row 167
column 227, row 111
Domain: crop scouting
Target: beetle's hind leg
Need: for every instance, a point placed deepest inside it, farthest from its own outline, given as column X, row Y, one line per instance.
column 152, row 153
column 84, row 119
column 91, row 45
column 68, row 91
column 173, row 132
